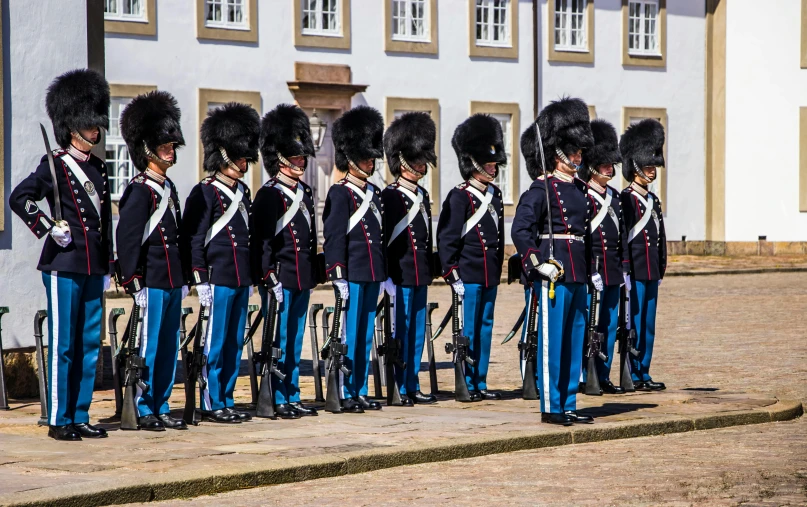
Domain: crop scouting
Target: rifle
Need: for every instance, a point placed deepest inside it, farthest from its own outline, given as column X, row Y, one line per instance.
column 336, row 351
column 195, row 362
column 391, row 350
column 459, row 348
column 252, row 327
column 595, row 339
column 117, row 364
column 312, row 324
column 378, row 340
column 267, row 358
column 135, row 365
column 627, row 342
column 430, row 308
column 528, row 349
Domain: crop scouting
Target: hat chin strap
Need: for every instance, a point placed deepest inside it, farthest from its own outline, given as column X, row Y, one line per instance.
column 359, row 170
column 153, row 156
column 563, row 158
column 481, row 169
column 595, row 171
column 77, row 135
column 230, row 163
column 406, row 166
column 283, row 160
column 642, row 174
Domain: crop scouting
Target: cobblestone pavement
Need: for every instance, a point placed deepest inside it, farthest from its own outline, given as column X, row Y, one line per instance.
column 746, row 465
column 723, row 343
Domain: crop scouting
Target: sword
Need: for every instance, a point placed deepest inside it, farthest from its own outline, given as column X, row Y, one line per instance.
column 516, row 327
column 57, row 200
column 548, row 211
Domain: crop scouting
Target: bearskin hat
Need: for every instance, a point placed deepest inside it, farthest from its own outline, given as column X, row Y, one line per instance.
column 76, row 100
column 234, row 127
column 285, row 130
column 604, row 151
column 151, row 119
column 479, row 137
column 529, row 148
column 412, row 136
column 642, row 145
column 358, row 135
column 564, row 124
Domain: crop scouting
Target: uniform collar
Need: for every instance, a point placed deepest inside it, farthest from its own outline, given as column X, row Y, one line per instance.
column 568, row 178
column 77, row 154
column 409, row 185
column 639, row 189
column 230, row 182
column 159, row 178
column 596, row 187
column 362, row 184
column 482, row 187
column 286, row 180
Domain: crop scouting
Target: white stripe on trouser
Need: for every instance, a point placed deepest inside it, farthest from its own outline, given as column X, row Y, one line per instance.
column 54, row 363
column 144, row 340
column 546, row 406
column 205, row 401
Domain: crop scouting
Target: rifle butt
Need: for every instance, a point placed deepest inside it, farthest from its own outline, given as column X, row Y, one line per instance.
column 460, row 387
column 529, row 391
column 333, row 403
column 592, row 380
column 129, row 415
column 253, row 375
column 265, row 406
column 625, row 379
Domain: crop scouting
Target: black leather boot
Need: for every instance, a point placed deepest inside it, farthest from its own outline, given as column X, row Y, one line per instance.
column 243, row 416
column 487, row 395
column 66, row 433
column 577, row 418
column 368, row 404
column 286, row 411
column 655, row 386
column 87, row 430
column 172, row 423
column 352, row 406
column 559, row 419
column 150, row 423
column 220, row 416
column 422, row 399
column 303, row 410
column 608, row 387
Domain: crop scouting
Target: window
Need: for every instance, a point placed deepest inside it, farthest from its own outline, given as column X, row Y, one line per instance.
column 117, row 157
column 570, row 25
column 492, row 22
column 125, row 10
column 409, row 20
column 321, row 17
column 230, row 14
column 643, row 27
column 503, row 179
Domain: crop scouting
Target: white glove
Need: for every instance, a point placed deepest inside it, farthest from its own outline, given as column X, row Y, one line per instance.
column 107, row 282
column 251, row 291
column 61, row 234
column 205, row 294
column 659, row 283
column 341, row 286
column 278, row 290
column 185, row 291
column 459, row 288
column 550, row 271
column 140, row 299
column 626, row 277
column 596, row 280
column 388, row 287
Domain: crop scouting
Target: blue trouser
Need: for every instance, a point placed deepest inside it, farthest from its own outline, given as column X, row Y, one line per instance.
column 74, row 327
column 410, row 328
column 478, row 306
column 524, row 327
column 159, row 344
column 289, row 336
column 607, row 325
column 643, row 299
column 561, row 331
column 358, row 320
column 223, row 345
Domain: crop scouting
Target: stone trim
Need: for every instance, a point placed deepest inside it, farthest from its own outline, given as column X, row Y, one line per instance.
column 565, row 55
column 149, row 28
column 228, row 34
column 399, row 46
column 737, row 248
column 513, row 109
column 715, row 128
column 321, row 41
column 129, row 90
column 645, row 60
column 803, row 159
column 510, row 52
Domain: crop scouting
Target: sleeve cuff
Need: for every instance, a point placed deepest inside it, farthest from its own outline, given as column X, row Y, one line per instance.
column 40, row 226
column 531, row 260
column 453, row 275
column 336, row 272
column 270, row 279
column 134, row 284
column 199, row 276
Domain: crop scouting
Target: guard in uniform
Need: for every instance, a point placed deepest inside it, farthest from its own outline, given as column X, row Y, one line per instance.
column 409, row 148
column 355, row 251
column 77, row 254
column 148, row 241
column 642, row 147
column 470, row 240
column 559, row 282
column 609, row 239
column 216, row 228
column 285, row 235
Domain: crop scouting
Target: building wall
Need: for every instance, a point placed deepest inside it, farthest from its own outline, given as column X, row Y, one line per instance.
column 609, row 86
column 37, row 47
column 765, row 87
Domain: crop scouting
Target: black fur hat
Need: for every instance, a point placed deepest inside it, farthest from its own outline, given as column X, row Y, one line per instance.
column 234, row 127
column 479, row 137
column 78, row 99
column 287, row 131
column 150, row 120
column 358, row 135
column 413, row 136
column 642, row 144
column 604, row 151
column 564, row 124
column 529, row 148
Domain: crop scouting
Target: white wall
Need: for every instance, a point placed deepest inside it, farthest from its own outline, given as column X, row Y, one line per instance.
column 40, row 47
column 180, row 63
column 679, row 88
column 764, row 89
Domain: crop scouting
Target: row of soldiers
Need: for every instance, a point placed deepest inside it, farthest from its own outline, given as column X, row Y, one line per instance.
column 376, row 242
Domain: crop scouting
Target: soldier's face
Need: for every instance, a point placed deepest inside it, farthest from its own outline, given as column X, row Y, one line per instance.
column 650, row 171
column 368, row 166
column 606, row 170
column 241, row 164
column 576, row 158
column 90, row 134
column 166, row 152
column 293, row 172
column 420, row 171
column 489, row 174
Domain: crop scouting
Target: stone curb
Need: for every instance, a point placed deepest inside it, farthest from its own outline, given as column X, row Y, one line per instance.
column 128, row 489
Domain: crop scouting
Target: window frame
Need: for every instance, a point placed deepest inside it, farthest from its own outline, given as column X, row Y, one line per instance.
column 660, row 114
column 643, row 19
column 319, row 13
column 487, row 50
column 142, row 18
column 228, row 33
column 224, row 24
column 317, row 40
column 431, row 106
column 425, row 46
column 145, row 26
column 508, row 7
column 207, row 96
column 513, row 165
column 568, row 29
column 570, row 55
column 630, row 58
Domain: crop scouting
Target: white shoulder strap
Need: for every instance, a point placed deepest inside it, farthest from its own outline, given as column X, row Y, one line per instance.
column 159, row 213
column 296, row 200
column 604, row 203
column 648, row 212
column 480, row 212
column 224, row 219
column 86, row 184
column 417, row 201
column 357, row 215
